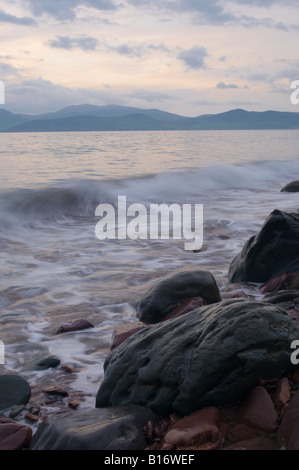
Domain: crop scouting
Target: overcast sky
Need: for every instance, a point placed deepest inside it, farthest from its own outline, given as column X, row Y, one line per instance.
column 189, row 57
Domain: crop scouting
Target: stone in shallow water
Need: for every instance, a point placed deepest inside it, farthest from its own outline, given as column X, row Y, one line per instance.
column 211, row 356
column 292, row 187
column 75, row 325
column 166, row 294
column 14, row 390
column 43, row 363
column 112, row 428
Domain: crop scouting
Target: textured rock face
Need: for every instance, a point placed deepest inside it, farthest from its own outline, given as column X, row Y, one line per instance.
column 272, row 252
column 113, row 428
column 14, row 390
column 211, row 356
column 166, row 295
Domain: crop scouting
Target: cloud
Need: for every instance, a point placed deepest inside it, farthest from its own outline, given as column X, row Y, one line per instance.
column 41, row 96
column 7, row 70
column 136, row 50
column 66, row 42
column 66, row 9
column 226, row 86
column 129, row 51
column 25, row 20
column 194, row 58
column 218, row 12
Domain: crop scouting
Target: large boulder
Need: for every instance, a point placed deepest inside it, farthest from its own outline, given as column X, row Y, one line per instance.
column 166, row 294
column 211, row 356
column 113, row 428
column 270, row 253
column 14, row 390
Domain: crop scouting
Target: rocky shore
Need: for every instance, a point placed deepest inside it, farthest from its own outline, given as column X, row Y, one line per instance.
column 199, row 369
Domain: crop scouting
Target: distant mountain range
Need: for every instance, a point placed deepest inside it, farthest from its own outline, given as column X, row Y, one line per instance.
column 123, row 118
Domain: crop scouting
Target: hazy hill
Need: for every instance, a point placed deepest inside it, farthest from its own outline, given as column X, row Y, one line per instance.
column 8, row 119
column 123, row 118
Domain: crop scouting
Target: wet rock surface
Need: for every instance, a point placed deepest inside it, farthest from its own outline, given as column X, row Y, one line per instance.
column 14, row 390
column 115, row 428
column 270, row 253
column 166, row 295
column 211, row 356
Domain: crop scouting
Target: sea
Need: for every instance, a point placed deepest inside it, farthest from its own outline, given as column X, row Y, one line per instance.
column 54, row 269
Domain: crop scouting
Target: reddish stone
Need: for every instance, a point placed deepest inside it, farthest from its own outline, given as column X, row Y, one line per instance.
column 293, row 281
column 294, row 314
column 73, row 404
column 5, row 420
column 31, row 417
column 185, row 307
column 288, row 433
column 122, row 332
column 201, row 430
column 275, row 284
column 75, row 325
column 239, row 294
column 295, row 376
column 282, row 393
column 259, row 411
column 242, row 432
column 55, row 390
column 14, row 436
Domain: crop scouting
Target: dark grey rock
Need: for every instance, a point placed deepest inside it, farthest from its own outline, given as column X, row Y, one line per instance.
column 292, row 187
column 273, row 251
column 43, row 363
column 166, row 294
column 14, row 390
column 211, row 356
column 112, row 428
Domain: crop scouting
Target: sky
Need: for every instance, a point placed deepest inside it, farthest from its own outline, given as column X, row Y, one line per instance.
column 189, row 57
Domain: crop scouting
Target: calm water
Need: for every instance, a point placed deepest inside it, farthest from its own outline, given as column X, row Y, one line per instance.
column 53, row 268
